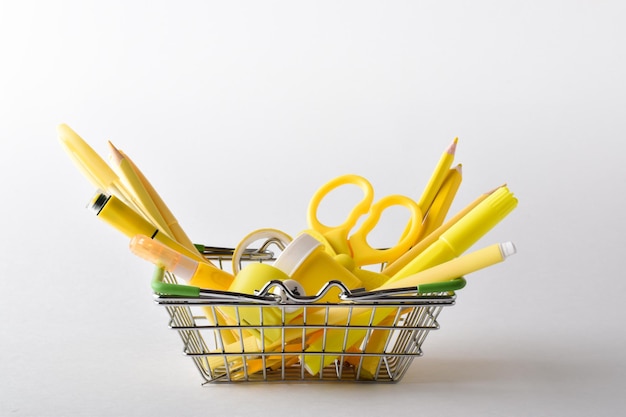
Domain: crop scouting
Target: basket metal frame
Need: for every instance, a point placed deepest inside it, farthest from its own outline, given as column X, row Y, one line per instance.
column 208, row 341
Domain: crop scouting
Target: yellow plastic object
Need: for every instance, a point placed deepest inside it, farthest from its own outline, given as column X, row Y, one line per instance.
column 463, row 234
column 442, row 202
column 140, row 196
column 338, row 340
column 252, row 278
column 456, row 267
column 305, row 261
column 122, row 217
column 356, row 244
column 392, row 268
column 170, row 220
column 199, row 274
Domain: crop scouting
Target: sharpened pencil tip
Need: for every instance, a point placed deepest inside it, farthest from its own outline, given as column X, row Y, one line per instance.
column 115, row 156
column 452, row 148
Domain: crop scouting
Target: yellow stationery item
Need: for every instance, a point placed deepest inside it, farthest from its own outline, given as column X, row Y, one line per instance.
column 267, row 235
column 113, row 211
column 179, row 234
column 442, row 202
column 438, row 176
column 251, row 278
column 334, row 341
column 463, row 234
column 341, row 237
column 140, row 195
column 435, row 181
column 305, row 261
column 92, row 166
column 248, row 344
column 399, row 263
column 198, row 274
column 456, row 267
column 376, row 344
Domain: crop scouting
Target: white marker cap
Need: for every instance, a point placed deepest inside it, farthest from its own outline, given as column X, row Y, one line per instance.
column 507, row 249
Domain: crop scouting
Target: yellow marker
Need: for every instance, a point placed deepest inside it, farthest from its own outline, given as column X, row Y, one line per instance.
column 442, row 202
column 113, row 211
column 457, row 267
column 198, row 274
column 170, row 220
column 399, row 263
column 462, row 234
column 140, row 196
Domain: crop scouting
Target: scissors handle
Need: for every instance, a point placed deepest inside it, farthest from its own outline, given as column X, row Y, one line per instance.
column 337, row 235
column 363, row 253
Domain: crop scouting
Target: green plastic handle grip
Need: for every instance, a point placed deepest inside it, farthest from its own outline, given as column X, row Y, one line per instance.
column 164, row 288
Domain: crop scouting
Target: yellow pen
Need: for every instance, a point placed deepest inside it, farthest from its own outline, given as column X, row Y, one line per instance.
column 178, row 233
column 140, row 196
column 399, row 263
column 442, row 202
column 456, row 267
column 122, row 217
column 462, row 234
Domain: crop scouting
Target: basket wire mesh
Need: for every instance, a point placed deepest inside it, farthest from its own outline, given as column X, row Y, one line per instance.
column 365, row 337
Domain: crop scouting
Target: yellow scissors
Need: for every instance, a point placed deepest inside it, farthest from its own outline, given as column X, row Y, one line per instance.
column 355, row 245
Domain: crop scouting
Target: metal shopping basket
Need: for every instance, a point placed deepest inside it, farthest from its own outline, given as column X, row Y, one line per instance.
column 275, row 335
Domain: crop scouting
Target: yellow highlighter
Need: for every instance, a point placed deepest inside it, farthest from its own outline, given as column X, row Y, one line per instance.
column 457, row 267
column 399, row 263
column 462, row 234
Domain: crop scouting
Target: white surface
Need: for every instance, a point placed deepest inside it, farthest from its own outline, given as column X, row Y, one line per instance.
column 237, row 111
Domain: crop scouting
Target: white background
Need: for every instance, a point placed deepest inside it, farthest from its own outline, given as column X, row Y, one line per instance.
column 237, row 111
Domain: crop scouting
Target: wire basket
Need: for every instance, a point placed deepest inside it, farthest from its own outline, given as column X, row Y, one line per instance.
column 275, row 335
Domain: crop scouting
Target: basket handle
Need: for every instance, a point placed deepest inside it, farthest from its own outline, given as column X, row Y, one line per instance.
column 164, row 288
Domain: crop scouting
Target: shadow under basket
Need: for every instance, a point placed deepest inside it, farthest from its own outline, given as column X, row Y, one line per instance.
column 277, row 336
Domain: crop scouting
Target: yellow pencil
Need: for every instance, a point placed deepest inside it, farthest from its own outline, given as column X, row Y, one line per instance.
column 442, row 202
column 435, row 181
column 92, row 166
column 179, row 234
column 437, row 178
column 139, row 194
column 399, row 263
